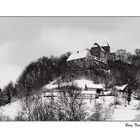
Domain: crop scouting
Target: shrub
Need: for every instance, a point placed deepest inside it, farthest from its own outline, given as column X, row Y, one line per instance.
column 100, row 113
column 69, row 106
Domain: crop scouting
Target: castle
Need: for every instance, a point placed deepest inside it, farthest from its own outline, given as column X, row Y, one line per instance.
column 102, row 52
column 96, row 53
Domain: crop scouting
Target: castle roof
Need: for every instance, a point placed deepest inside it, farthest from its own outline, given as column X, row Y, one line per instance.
column 105, row 44
column 78, row 55
column 97, row 45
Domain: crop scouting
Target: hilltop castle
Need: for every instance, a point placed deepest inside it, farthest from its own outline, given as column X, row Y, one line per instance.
column 102, row 52
column 96, row 53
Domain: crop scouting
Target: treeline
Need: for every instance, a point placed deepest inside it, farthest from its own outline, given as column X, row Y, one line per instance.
column 34, row 76
column 39, row 73
column 126, row 68
column 128, row 57
column 44, row 70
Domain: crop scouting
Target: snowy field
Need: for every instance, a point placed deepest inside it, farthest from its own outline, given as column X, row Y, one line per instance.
column 128, row 113
column 120, row 112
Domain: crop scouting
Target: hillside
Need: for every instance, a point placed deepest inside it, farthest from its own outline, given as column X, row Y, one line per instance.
column 46, row 69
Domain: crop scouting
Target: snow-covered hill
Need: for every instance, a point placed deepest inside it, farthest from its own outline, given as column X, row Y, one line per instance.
column 119, row 112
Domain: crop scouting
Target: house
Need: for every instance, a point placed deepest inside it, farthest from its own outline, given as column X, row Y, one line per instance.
column 120, row 91
column 88, row 85
column 89, row 90
column 92, row 91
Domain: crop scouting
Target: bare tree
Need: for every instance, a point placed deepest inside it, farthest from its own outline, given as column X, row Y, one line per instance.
column 34, row 108
column 137, row 52
column 124, row 55
column 68, row 106
column 97, row 113
column 71, row 105
column 121, row 54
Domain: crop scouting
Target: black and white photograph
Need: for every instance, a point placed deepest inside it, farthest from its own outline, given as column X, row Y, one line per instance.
column 70, row 69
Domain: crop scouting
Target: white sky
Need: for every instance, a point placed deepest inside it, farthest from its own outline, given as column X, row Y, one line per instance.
column 24, row 39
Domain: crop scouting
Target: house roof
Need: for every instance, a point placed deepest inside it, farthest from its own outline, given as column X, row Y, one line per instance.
column 90, row 84
column 96, row 45
column 77, row 55
column 88, row 92
column 96, row 86
column 121, row 88
column 83, row 82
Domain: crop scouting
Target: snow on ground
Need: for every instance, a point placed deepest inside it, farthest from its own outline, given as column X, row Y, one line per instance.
column 121, row 113
column 10, row 110
column 105, row 101
column 125, row 114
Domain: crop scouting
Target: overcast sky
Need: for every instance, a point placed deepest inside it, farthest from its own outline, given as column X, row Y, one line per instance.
column 25, row 39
